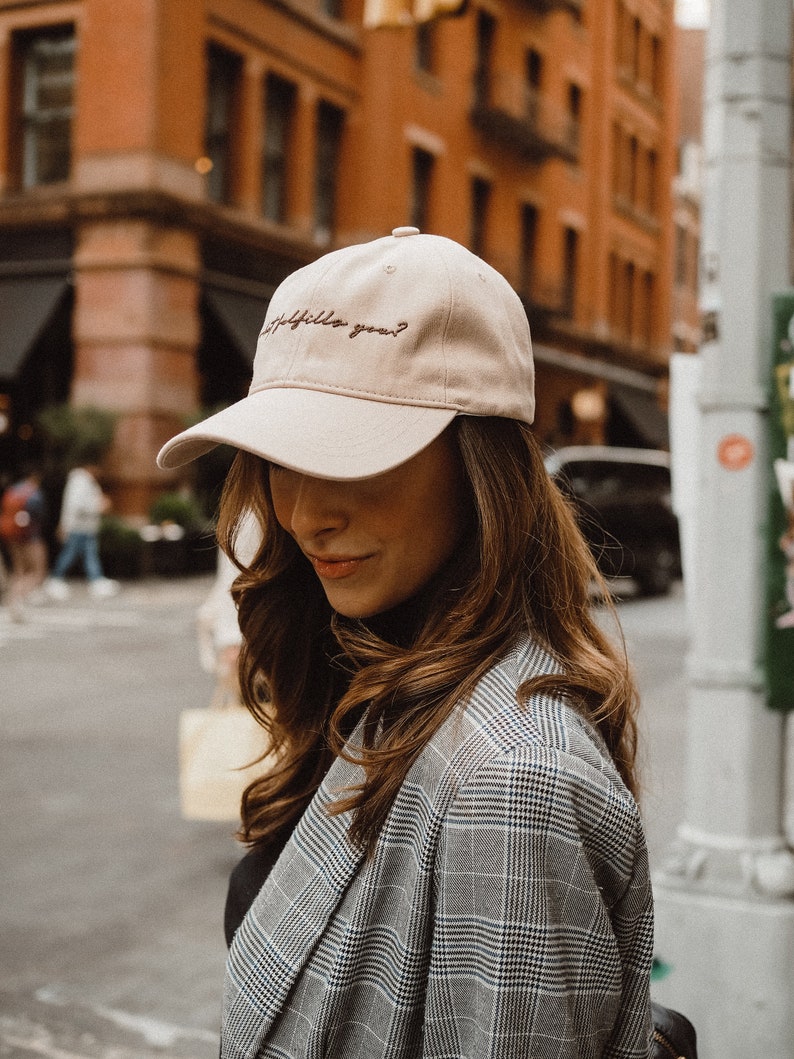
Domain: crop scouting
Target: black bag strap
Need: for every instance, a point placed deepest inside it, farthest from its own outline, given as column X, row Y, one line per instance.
column 674, row 1035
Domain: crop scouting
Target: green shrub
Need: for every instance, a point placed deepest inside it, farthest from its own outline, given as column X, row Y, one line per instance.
column 76, row 435
column 120, row 548
column 178, row 508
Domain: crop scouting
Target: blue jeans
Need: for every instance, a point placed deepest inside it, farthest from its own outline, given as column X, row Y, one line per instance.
column 79, row 546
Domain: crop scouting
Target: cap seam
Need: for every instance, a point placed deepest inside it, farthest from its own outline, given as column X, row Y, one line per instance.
column 436, row 247
column 394, row 398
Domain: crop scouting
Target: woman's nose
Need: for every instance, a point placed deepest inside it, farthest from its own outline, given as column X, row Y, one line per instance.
column 317, row 507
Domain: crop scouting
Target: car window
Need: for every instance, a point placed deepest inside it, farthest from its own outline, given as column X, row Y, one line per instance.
column 605, row 479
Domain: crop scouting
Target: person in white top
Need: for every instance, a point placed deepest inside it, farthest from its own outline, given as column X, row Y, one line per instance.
column 82, row 508
column 219, row 636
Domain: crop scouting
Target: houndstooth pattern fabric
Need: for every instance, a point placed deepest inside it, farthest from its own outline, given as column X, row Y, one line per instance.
column 505, row 914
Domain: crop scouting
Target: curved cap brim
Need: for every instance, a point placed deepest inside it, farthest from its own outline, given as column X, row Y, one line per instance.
column 323, row 434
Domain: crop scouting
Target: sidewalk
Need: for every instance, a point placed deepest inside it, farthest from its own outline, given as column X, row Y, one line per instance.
column 135, row 602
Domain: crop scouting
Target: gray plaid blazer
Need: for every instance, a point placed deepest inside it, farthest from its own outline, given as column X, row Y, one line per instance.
column 506, row 911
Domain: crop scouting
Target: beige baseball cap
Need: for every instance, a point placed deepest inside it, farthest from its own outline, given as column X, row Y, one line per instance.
column 367, row 354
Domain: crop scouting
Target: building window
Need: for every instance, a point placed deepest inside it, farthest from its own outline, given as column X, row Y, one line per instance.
column 634, row 153
column 657, row 68
column 636, row 49
column 486, row 31
column 686, row 258
column 570, row 268
column 614, row 293
column 648, row 287
column 575, row 102
column 426, row 48
column 280, row 98
column 222, row 90
column 621, row 44
column 617, row 159
column 534, row 81
column 422, row 164
column 48, row 77
column 330, row 125
column 528, row 252
column 534, row 69
column 681, row 255
column 650, row 196
column 574, row 115
column 628, row 300
column 480, row 198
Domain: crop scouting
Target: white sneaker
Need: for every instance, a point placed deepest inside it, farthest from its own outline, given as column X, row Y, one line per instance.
column 56, row 588
column 103, row 587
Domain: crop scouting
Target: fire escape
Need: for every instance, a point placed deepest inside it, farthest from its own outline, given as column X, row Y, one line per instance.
column 510, row 109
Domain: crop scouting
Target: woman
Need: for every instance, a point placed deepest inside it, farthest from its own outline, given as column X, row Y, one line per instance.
column 450, row 855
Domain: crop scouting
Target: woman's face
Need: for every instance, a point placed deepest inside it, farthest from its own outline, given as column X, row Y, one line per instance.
column 376, row 542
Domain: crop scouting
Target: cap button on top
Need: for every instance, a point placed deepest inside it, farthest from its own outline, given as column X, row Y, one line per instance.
column 407, row 230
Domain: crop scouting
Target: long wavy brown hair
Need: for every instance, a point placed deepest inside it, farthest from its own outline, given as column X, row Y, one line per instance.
column 309, row 676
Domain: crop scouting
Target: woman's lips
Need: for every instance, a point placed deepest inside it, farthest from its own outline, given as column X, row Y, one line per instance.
column 334, row 568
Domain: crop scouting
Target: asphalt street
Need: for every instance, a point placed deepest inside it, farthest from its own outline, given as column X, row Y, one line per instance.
column 110, row 927
column 111, row 943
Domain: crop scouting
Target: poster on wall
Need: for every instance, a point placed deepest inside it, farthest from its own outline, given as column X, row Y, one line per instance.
column 779, row 611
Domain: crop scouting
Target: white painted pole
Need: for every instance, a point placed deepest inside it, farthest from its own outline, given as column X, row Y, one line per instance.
column 725, row 895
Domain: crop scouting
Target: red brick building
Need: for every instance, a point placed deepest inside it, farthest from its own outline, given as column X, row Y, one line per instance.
column 165, row 163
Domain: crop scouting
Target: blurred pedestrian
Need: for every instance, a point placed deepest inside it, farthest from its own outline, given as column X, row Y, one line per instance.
column 82, row 508
column 22, row 516
column 218, row 629
column 221, row 746
column 448, row 860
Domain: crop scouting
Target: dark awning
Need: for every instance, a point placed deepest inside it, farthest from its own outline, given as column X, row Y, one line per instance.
column 642, row 410
column 597, row 369
column 26, row 307
column 241, row 315
column 633, row 392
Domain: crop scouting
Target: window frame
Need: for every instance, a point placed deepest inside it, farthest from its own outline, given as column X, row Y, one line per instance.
column 279, row 97
column 529, row 227
column 570, row 265
column 423, row 164
column 426, row 48
column 44, row 130
column 481, row 194
column 329, row 133
column 220, row 133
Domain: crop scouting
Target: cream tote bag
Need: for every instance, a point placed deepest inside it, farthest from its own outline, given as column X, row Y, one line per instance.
column 218, row 751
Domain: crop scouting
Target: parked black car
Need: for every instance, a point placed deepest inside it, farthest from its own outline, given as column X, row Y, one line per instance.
column 623, row 500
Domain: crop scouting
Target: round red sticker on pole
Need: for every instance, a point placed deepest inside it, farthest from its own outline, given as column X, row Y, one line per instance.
column 735, row 452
